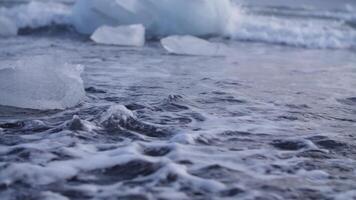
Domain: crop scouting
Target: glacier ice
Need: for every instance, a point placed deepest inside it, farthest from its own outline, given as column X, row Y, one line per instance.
column 190, row 45
column 131, row 35
column 40, row 82
column 160, row 17
column 7, row 27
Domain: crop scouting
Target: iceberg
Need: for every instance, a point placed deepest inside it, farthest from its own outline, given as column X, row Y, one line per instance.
column 190, row 45
column 7, row 27
column 159, row 17
column 132, row 35
column 40, row 82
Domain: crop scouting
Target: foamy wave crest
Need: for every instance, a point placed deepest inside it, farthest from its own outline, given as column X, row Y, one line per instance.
column 309, row 33
column 283, row 26
column 36, row 14
column 345, row 14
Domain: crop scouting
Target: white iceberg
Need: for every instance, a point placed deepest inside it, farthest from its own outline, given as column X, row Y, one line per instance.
column 40, row 83
column 160, row 17
column 190, row 45
column 7, row 27
column 132, row 35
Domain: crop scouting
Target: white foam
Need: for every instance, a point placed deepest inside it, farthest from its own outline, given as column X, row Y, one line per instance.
column 41, row 82
column 183, row 138
column 191, row 17
column 193, row 181
column 301, row 33
column 131, row 35
column 160, row 17
column 7, row 27
column 52, row 196
column 190, row 45
column 351, row 194
column 116, row 114
column 65, row 169
column 37, row 14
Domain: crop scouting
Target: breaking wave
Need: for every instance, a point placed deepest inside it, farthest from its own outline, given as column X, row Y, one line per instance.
column 273, row 25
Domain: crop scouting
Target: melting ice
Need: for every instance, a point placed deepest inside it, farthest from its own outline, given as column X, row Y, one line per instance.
column 190, row 45
column 41, row 83
column 132, row 35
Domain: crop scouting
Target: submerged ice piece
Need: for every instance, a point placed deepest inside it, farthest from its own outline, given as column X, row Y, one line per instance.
column 159, row 17
column 190, row 45
column 132, row 35
column 7, row 27
column 40, row 83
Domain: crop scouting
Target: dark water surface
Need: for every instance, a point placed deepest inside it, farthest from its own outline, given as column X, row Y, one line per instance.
column 265, row 122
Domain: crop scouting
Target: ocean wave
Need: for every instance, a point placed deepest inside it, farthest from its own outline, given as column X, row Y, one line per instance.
column 295, row 27
column 298, row 33
column 305, row 13
column 37, row 14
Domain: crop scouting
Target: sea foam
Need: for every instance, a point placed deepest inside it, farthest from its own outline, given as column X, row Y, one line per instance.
column 160, row 18
column 37, row 14
column 299, row 33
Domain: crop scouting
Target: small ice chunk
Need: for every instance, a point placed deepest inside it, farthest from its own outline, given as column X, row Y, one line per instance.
column 7, row 27
column 190, row 45
column 131, row 35
column 40, row 82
